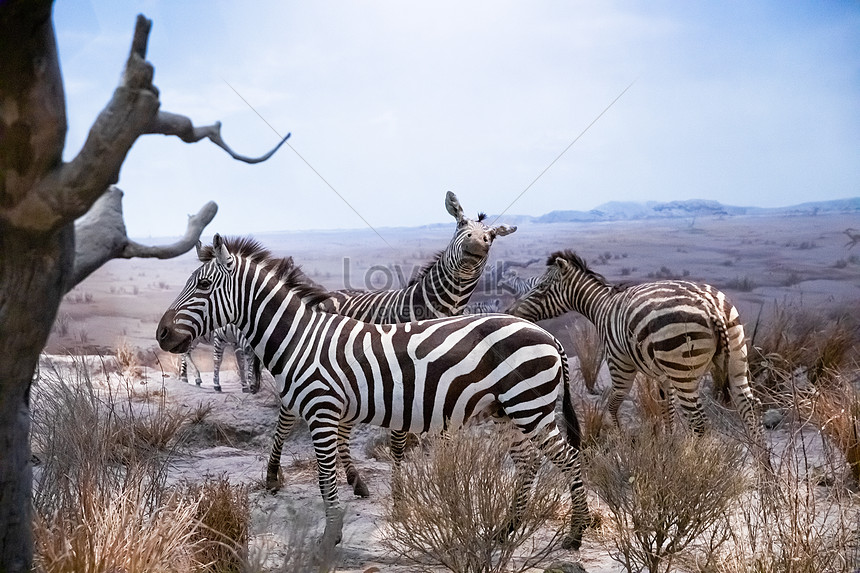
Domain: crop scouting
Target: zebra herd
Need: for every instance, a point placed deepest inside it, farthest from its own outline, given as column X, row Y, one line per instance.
column 419, row 360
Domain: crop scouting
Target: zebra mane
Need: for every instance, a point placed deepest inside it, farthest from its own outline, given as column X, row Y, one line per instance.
column 422, row 272
column 580, row 264
column 284, row 269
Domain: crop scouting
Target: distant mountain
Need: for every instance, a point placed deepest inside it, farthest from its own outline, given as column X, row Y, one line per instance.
column 630, row 211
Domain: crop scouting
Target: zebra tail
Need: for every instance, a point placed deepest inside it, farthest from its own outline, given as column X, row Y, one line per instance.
column 571, row 421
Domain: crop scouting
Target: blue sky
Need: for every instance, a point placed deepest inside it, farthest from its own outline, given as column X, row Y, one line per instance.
column 391, row 104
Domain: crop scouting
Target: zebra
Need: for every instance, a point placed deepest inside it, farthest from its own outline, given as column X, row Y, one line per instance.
column 424, row 376
column 671, row 330
column 247, row 363
column 441, row 288
column 483, row 307
column 519, row 287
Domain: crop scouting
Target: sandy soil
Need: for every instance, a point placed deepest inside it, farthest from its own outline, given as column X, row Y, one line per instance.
column 758, row 261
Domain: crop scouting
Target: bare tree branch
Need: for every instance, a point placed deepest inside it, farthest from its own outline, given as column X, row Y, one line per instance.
column 167, row 123
column 100, row 236
column 854, row 235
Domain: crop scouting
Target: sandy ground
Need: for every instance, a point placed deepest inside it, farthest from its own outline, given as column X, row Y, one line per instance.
column 760, row 262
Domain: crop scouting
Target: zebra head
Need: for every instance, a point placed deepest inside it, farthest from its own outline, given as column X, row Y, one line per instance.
column 544, row 300
column 204, row 305
column 473, row 238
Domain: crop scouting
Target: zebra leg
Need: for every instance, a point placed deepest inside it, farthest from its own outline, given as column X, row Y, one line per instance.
column 324, row 436
column 183, row 368
column 747, row 404
column 667, row 407
column 622, row 375
column 243, row 367
column 687, row 392
column 353, row 478
column 397, row 446
column 217, row 356
column 525, row 459
column 286, row 421
column 190, row 360
column 567, row 459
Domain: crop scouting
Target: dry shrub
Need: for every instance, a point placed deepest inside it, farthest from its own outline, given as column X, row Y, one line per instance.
column 652, row 409
column 793, row 337
column 588, row 348
column 126, row 358
column 592, row 420
column 224, row 515
column 795, row 523
column 117, row 532
column 667, row 494
column 99, row 493
column 455, row 502
column 834, row 408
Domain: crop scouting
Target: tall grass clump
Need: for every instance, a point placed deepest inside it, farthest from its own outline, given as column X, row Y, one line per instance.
column 588, row 348
column 100, row 498
column 668, row 496
column 224, row 516
column 797, row 523
column 453, row 507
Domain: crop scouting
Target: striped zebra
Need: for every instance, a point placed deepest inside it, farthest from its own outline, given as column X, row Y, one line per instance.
column 483, row 307
column 519, row 287
column 247, row 363
column 672, row 331
column 425, row 376
column 441, row 288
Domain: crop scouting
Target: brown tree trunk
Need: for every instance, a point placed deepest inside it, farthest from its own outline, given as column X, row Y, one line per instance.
column 33, row 265
column 32, row 277
column 40, row 199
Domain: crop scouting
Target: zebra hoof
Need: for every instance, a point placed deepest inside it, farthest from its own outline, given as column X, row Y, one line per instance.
column 216, row 388
column 198, row 381
column 246, row 390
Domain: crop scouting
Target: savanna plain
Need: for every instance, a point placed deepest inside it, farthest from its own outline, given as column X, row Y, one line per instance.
column 138, row 471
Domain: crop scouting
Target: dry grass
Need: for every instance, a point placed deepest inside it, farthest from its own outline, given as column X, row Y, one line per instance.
column 100, row 497
column 455, row 502
column 224, row 515
column 834, row 408
column 588, row 348
column 796, row 522
column 668, row 495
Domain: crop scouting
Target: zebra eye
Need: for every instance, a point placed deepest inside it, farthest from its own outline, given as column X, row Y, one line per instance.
column 204, row 284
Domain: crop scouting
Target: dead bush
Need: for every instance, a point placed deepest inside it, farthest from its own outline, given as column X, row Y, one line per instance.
column 667, row 494
column 588, row 348
column 797, row 522
column 224, row 515
column 99, row 495
column 834, row 408
column 455, row 503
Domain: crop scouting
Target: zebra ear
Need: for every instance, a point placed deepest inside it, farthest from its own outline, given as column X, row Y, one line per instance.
column 222, row 255
column 199, row 247
column 502, row 230
column 562, row 263
column 453, row 206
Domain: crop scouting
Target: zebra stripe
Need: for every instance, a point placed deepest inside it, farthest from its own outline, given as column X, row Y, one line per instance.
column 672, row 331
column 247, row 363
column 483, row 307
column 441, row 288
column 424, row 376
column 517, row 285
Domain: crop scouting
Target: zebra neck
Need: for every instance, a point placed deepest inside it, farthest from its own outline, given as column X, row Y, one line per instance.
column 590, row 297
column 271, row 319
column 447, row 288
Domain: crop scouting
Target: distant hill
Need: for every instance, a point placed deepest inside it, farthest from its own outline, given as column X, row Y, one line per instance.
column 630, row 211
